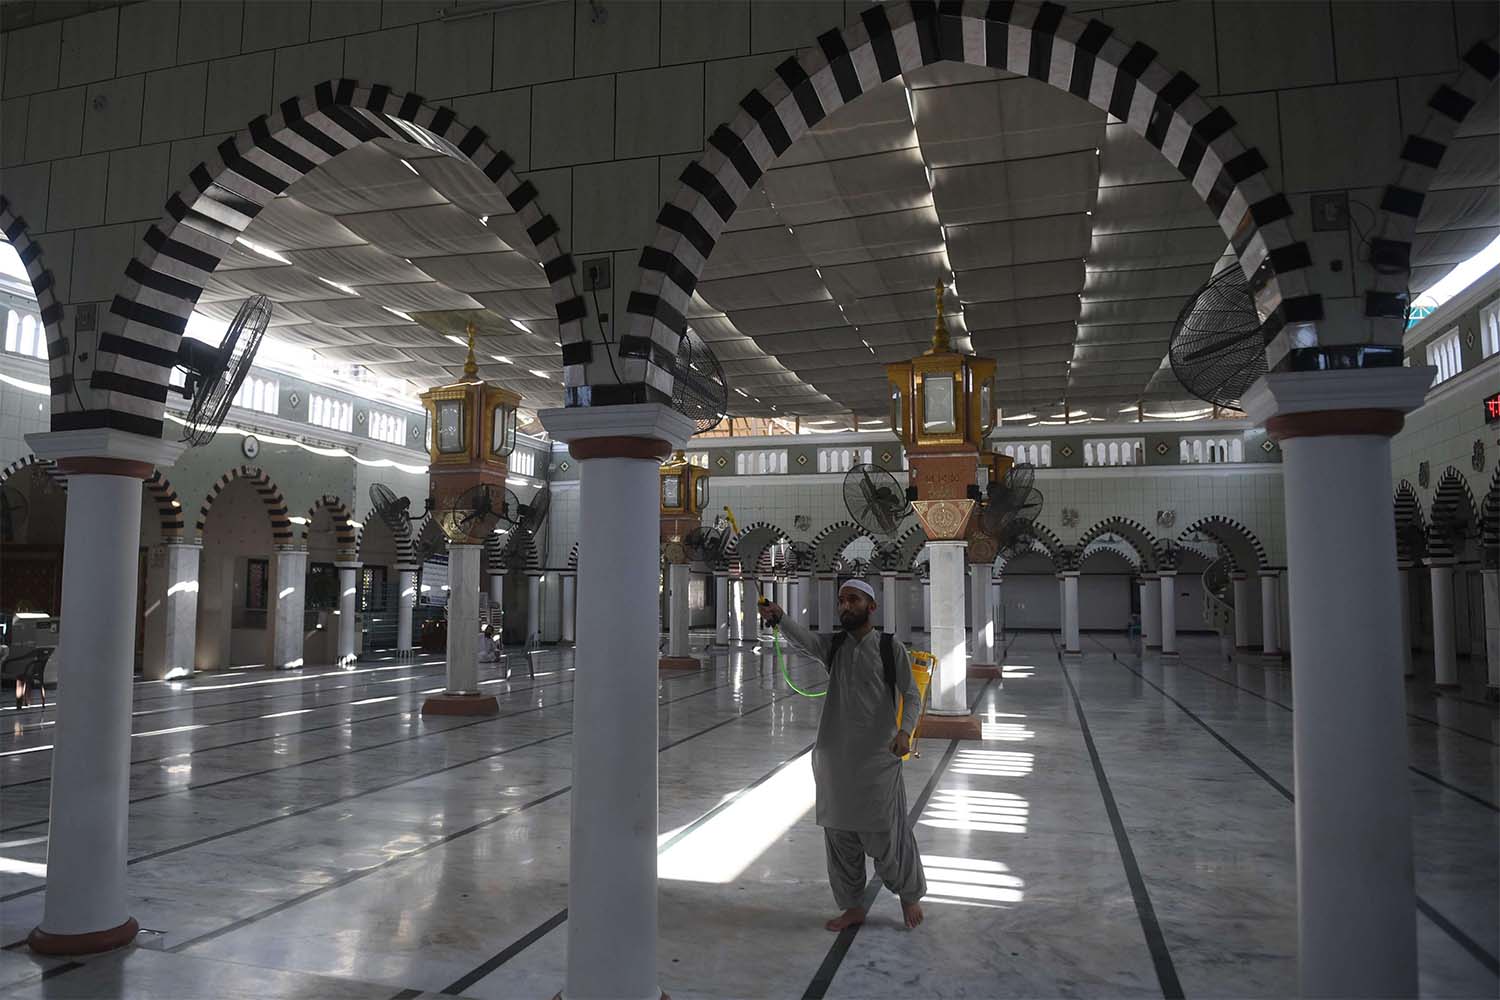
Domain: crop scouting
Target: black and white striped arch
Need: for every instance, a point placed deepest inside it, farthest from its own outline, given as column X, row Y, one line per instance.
column 1082, row 56
column 1401, row 203
column 140, row 331
column 42, row 284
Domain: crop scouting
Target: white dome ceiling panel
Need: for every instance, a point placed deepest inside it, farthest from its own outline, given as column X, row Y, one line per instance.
column 791, row 286
column 503, row 270
column 355, row 265
column 364, row 179
column 1000, row 284
column 994, row 120
column 287, row 224
column 1019, row 241
column 1017, row 189
column 423, row 297
column 433, row 231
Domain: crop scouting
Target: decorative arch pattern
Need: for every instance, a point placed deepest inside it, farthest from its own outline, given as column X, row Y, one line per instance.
column 1411, row 525
column 1489, row 532
column 161, row 285
column 573, row 558
column 829, row 544
column 908, row 545
column 430, row 538
column 1140, row 541
column 1401, row 204
column 344, row 539
column 1125, row 551
column 1082, row 56
column 168, row 506
column 400, row 529
column 1245, row 552
column 43, row 285
column 270, row 495
column 759, row 534
column 1036, row 545
column 47, row 466
column 1454, row 514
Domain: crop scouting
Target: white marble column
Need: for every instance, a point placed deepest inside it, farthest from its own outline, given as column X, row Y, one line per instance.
column 408, row 605
column 288, row 621
column 749, row 612
column 926, row 604
column 464, row 563
column 888, row 603
column 1150, row 611
column 792, row 605
column 1403, row 582
column 1241, row 583
column 85, row 908
column 736, row 605
column 904, row 608
column 612, row 890
column 1270, row 614
column 678, row 646
column 983, row 615
column 497, row 599
column 1356, row 899
column 806, row 600
column 723, row 610
column 828, row 616
column 533, row 609
column 349, row 613
column 569, row 607
column 1491, row 631
column 172, row 625
column 1168, row 612
column 1444, row 652
column 997, row 611
column 946, row 627
column 1072, row 642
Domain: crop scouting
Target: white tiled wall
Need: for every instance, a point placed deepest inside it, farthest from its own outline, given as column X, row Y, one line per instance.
column 21, row 412
column 1443, row 432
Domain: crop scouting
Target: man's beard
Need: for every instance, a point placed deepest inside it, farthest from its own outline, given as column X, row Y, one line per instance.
column 852, row 620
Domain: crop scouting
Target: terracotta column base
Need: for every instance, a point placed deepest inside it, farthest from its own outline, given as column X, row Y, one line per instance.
column 984, row 672
column 949, row 727
column 679, row 663
column 461, row 704
column 43, row 943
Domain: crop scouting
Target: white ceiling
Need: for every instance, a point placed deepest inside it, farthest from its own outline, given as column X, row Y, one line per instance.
column 1072, row 244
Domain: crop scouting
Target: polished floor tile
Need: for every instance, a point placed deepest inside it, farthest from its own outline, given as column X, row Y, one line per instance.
column 311, row 835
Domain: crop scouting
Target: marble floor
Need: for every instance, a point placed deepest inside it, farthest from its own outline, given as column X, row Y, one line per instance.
column 1124, row 829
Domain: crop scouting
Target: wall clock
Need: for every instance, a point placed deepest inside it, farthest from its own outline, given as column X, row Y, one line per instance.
column 250, row 446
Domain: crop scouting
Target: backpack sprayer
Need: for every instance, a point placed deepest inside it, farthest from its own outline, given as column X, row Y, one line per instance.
column 922, row 663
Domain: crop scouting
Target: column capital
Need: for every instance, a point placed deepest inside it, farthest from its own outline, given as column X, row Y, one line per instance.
column 1361, row 401
column 348, row 565
column 83, row 449
column 1070, row 573
column 1238, row 575
column 648, row 431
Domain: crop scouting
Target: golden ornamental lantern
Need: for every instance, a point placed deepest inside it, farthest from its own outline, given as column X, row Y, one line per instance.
column 942, row 408
column 684, row 498
column 473, row 433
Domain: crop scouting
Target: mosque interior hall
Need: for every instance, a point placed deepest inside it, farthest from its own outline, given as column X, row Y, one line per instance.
column 626, row 499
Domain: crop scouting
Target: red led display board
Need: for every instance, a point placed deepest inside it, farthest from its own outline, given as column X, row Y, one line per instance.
column 1492, row 409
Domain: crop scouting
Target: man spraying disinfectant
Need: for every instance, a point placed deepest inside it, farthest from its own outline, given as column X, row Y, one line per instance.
column 861, row 798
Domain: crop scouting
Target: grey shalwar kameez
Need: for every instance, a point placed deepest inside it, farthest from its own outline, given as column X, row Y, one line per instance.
column 861, row 799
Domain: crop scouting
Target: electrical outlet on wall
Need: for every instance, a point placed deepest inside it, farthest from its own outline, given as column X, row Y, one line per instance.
column 596, row 274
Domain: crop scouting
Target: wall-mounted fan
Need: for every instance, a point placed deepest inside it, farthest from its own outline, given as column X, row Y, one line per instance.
column 1012, row 501
column 393, row 509
column 875, row 500
column 699, row 389
column 1218, row 346
column 14, row 509
column 214, row 373
column 469, row 517
column 706, row 544
column 527, row 523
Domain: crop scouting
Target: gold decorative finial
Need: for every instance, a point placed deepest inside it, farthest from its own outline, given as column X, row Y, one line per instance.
column 471, row 370
column 940, row 342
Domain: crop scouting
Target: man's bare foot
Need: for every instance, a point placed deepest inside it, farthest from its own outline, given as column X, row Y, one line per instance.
column 851, row 917
column 913, row 914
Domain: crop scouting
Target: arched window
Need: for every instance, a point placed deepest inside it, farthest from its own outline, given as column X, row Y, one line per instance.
column 1237, row 450
column 1185, row 454
column 1197, row 450
column 1088, row 453
column 1114, row 453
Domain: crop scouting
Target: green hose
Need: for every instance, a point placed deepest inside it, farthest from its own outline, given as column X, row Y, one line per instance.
column 776, row 645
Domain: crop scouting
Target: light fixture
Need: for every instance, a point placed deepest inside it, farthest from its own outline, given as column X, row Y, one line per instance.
column 408, row 166
column 398, row 312
column 266, row 252
column 538, row 374
column 1020, row 416
column 461, row 342
column 502, row 359
column 334, row 284
column 520, row 326
column 484, row 220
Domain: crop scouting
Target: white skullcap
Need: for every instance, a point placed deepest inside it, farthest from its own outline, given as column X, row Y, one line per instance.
column 859, row 585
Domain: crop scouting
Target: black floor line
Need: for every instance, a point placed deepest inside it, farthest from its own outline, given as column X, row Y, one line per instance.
column 823, row 978
column 276, row 736
column 504, row 814
column 188, row 789
column 368, row 791
column 557, row 919
column 1156, row 941
column 1477, row 799
column 1463, row 940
